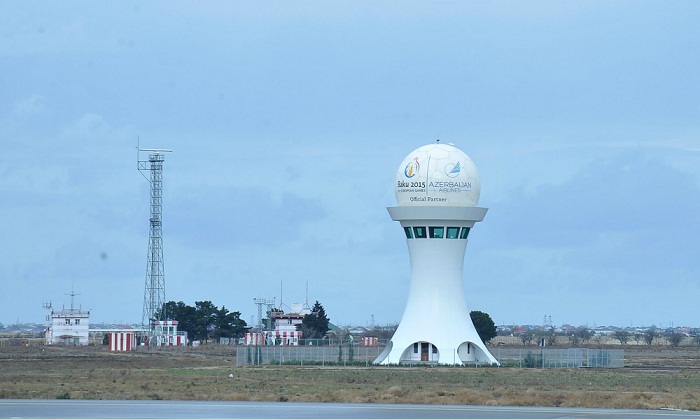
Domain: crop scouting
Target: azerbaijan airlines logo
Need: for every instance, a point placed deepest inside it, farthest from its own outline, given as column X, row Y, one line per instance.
column 412, row 168
column 452, row 170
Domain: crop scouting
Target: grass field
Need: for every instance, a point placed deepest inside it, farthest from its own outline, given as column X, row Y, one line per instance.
column 655, row 377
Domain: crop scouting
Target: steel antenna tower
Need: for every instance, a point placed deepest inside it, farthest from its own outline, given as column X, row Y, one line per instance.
column 260, row 302
column 154, row 293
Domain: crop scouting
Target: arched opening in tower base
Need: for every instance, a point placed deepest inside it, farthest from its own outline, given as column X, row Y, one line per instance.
column 468, row 352
column 420, row 352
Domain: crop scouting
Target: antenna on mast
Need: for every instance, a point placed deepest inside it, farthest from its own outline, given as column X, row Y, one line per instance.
column 306, row 301
column 72, row 297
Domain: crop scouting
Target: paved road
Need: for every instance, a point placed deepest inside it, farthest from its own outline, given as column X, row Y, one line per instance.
column 123, row 409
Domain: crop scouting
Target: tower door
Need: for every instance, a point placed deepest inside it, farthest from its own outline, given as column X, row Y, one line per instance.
column 424, row 351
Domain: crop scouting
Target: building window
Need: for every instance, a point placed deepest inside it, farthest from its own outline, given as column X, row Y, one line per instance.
column 409, row 233
column 465, row 233
column 419, row 232
column 437, row 232
column 77, row 322
column 452, row 232
column 434, row 349
column 415, row 348
column 68, row 321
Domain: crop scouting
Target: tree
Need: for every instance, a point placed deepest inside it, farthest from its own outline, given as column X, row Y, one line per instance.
column 484, row 325
column 205, row 321
column 650, row 335
column 583, row 333
column 527, row 337
column 675, row 338
column 228, row 324
column 623, row 336
column 315, row 324
column 184, row 314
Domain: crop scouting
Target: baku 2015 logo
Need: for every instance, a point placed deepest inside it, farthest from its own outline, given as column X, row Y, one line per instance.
column 452, row 170
column 412, row 168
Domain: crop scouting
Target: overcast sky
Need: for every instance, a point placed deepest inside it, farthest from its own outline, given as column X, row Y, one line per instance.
column 288, row 121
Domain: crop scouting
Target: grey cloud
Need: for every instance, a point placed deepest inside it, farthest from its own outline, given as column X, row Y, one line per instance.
column 630, row 210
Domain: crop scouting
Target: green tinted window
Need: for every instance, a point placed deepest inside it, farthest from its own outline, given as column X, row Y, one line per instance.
column 437, row 232
column 419, row 232
column 452, row 232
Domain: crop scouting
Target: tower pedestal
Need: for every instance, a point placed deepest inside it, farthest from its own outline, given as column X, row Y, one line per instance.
column 436, row 326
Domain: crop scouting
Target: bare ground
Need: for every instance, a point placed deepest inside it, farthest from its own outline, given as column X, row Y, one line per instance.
column 654, row 377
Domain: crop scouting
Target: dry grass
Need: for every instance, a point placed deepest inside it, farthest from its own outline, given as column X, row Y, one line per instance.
column 203, row 374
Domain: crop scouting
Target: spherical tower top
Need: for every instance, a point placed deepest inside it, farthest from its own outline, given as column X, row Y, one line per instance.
column 437, row 175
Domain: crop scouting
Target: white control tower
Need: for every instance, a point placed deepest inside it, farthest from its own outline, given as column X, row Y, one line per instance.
column 437, row 189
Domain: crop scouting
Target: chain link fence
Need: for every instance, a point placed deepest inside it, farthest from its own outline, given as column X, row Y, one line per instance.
column 560, row 357
column 355, row 355
column 307, row 355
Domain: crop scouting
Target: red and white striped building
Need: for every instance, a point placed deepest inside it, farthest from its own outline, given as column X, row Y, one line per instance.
column 122, row 341
column 273, row 337
column 370, row 341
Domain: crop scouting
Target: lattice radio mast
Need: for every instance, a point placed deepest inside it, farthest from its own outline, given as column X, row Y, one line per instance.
column 154, row 293
column 269, row 304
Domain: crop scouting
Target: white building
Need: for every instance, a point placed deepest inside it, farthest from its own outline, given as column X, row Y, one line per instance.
column 288, row 322
column 437, row 189
column 68, row 327
column 166, row 334
column 285, row 328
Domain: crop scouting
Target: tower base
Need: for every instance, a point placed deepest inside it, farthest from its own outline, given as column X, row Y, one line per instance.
column 408, row 348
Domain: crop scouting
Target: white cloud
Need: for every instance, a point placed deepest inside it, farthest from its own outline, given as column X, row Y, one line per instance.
column 30, row 106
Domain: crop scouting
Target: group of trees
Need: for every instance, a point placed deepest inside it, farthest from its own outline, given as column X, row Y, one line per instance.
column 584, row 335
column 204, row 320
column 651, row 335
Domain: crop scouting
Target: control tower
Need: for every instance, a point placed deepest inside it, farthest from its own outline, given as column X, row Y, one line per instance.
column 437, row 189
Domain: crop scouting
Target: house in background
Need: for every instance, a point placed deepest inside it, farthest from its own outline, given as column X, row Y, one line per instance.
column 69, row 326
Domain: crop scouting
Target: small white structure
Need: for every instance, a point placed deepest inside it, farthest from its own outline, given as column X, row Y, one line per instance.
column 437, row 189
column 68, row 327
column 166, row 334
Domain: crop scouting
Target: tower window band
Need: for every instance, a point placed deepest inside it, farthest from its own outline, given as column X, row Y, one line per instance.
column 436, row 232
